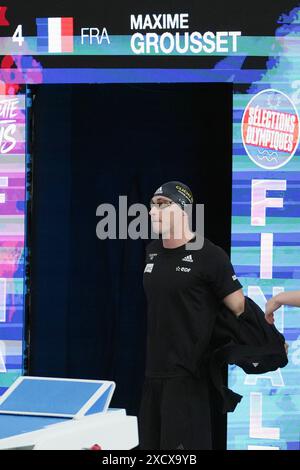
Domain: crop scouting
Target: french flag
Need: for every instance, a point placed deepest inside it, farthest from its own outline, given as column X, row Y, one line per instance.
column 55, row 34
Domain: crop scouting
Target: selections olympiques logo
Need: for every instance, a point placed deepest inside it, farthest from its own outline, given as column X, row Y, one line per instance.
column 270, row 129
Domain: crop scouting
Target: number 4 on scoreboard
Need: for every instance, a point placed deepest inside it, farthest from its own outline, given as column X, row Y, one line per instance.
column 18, row 35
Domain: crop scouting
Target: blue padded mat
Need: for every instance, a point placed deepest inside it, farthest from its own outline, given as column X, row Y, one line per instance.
column 49, row 396
column 10, row 425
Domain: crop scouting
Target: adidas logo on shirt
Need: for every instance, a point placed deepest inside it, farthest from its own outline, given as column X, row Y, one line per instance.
column 188, row 258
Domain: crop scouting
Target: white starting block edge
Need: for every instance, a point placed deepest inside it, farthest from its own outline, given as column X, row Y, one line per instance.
column 104, row 385
column 113, row 430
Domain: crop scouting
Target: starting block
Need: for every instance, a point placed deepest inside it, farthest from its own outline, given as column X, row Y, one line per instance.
column 43, row 413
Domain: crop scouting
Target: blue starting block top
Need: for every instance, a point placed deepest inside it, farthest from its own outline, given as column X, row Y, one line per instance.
column 56, row 397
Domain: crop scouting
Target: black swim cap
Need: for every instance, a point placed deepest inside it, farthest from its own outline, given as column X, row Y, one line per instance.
column 177, row 191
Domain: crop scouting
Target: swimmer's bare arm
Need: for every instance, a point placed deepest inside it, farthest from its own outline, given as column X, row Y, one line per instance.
column 235, row 302
column 291, row 298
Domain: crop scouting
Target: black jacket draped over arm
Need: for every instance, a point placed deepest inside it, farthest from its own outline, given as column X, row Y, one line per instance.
column 247, row 341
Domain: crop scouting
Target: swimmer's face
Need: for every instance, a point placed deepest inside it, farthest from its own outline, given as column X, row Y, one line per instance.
column 165, row 215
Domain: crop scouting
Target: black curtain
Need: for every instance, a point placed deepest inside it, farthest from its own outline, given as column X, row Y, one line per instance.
column 90, row 144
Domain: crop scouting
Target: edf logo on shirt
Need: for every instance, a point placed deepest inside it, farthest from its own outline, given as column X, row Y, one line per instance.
column 181, row 268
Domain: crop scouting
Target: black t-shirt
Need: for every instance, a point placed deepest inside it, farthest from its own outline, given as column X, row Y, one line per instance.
column 184, row 289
